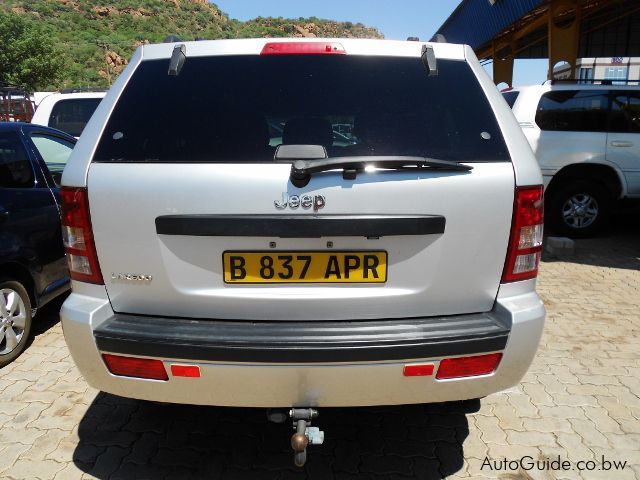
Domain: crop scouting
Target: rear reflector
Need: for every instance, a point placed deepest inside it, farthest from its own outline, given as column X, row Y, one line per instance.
column 468, row 366
column 303, row 48
column 135, row 367
column 418, row 370
column 525, row 243
column 192, row 371
column 77, row 236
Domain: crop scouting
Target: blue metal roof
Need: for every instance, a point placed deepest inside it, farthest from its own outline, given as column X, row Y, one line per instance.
column 475, row 22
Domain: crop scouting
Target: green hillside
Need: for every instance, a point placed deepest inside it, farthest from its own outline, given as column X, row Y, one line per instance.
column 98, row 37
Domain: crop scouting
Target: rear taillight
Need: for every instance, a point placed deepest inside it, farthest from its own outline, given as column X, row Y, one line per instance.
column 135, row 367
column 525, row 243
column 303, row 48
column 468, row 366
column 78, row 236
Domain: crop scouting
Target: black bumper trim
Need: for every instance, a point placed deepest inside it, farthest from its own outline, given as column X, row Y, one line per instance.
column 300, row 226
column 301, row 342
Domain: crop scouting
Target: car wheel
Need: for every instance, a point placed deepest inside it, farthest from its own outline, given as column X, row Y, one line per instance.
column 15, row 320
column 578, row 208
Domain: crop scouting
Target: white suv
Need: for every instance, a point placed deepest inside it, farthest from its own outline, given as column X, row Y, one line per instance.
column 587, row 141
column 213, row 267
column 68, row 112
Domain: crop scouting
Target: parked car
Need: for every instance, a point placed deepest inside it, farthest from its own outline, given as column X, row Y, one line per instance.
column 68, row 112
column 33, row 268
column 212, row 267
column 587, row 141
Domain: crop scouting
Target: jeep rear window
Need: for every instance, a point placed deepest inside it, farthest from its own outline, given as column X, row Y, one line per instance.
column 239, row 108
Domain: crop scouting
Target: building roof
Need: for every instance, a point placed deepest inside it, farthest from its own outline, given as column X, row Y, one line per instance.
column 608, row 28
column 476, row 22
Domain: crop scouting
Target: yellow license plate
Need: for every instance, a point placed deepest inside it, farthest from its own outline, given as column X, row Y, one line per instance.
column 305, row 267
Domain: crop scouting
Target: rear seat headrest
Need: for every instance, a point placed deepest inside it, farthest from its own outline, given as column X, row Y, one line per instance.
column 308, row 131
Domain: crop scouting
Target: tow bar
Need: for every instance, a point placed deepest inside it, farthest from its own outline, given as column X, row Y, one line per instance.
column 304, row 435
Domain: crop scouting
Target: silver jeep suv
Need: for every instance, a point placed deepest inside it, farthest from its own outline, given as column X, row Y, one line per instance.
column 312, row 223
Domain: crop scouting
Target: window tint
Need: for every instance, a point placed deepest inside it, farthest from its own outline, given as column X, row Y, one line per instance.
column 511, row 97
column 239, row 108
column 573, row 110
column 72, row 115
column 625, row 112
column 15, row 167
column 55, row 153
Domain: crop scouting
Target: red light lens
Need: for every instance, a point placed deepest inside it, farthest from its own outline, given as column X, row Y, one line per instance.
column 192, row 371
column 303, row 48
column 418, row 370
column 468, row 366
column 529, row 206
column 78, row 236
column 525, row 243
column 135, row 367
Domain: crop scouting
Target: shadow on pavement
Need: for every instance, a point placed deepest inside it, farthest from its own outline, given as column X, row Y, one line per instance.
column 618, row 246
column 47, row 316
column 127, row 439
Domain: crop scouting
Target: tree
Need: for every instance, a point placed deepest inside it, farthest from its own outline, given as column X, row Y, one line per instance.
column 28, row 56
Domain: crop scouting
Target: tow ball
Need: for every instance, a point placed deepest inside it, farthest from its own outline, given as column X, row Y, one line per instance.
column 304, row 434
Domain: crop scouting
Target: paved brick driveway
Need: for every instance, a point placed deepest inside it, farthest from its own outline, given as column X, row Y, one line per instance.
column 580, row 401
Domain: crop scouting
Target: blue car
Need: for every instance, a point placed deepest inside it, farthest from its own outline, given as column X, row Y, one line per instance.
column 33, row 268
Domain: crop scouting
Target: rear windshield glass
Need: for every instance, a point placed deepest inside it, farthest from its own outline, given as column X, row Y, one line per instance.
column 72, row 115
column 239, row 108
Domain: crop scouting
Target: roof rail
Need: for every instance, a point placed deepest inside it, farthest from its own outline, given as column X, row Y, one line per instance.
column 83, row 90
column 596, row 81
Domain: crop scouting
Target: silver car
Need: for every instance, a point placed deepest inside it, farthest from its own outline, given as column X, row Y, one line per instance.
column 587, row 141
column 213, row 267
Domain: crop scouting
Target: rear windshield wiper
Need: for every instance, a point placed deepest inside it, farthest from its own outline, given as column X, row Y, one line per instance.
column 301, row 170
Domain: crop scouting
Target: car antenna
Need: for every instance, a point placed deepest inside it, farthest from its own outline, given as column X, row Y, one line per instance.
column 178, row 58
column 429, row 60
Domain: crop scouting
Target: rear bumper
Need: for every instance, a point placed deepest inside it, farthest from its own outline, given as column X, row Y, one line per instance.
column 300, row 342
column 282, row 364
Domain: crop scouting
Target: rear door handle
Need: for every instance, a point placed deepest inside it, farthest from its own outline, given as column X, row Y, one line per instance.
column 617, row 143
column 4, row 214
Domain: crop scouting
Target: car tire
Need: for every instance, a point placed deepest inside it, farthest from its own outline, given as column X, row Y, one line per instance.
column 15, row 320
column 578, row 208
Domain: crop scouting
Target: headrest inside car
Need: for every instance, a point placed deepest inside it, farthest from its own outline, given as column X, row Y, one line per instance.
column 308, row 131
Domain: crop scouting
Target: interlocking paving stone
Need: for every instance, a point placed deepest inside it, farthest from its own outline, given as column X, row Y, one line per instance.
column 28, row 468
column 579, row 401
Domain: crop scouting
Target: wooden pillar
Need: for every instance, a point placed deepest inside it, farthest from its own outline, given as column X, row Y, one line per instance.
column 503, row 62
column 564, row 33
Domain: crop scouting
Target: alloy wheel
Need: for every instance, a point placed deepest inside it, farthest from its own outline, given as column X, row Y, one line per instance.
column 13, row 317
column 580, row 210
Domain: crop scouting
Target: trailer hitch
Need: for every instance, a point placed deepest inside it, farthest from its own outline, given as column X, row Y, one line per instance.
column 304, row 434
